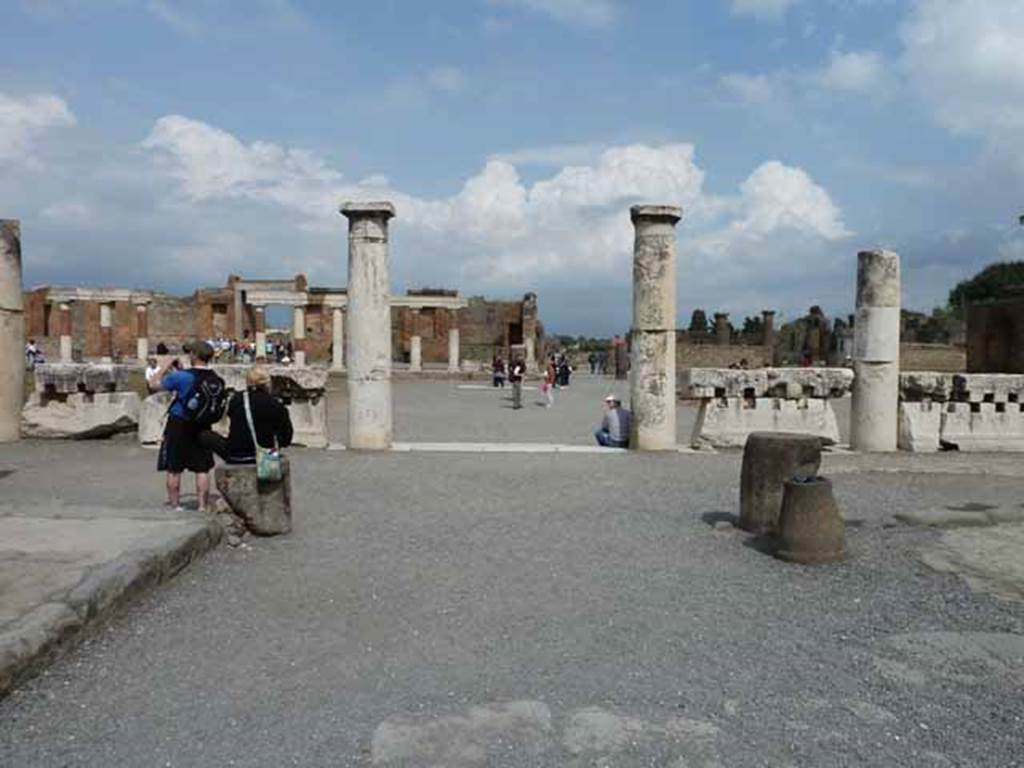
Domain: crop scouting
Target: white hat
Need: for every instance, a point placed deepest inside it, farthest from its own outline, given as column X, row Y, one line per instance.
column 612, row 399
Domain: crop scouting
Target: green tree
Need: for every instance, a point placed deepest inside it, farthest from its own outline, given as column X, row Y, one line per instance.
column 990, row 283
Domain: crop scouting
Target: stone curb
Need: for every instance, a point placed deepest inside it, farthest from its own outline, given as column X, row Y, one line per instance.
column 34, row 640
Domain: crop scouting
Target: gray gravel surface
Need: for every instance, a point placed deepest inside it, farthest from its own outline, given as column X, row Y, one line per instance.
column 531, row 610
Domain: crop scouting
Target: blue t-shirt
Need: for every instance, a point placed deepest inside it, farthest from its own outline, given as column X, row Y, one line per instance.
column 181, row 384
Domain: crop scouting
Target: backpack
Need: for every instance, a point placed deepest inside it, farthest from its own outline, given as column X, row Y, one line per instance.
column 208, row 399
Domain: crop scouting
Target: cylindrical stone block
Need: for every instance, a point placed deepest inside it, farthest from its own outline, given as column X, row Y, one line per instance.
column 12, row 331
column 369, row 326
column 769, row 459
column 723, row 334
column 337, row 340
column 653, row 382
column 874, row 411
column 810, row 526
column 768, row 332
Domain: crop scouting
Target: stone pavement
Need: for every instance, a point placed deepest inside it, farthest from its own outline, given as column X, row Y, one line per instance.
column 537, row 610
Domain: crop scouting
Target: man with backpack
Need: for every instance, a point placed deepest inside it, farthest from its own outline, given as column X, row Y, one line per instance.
column 200, row 398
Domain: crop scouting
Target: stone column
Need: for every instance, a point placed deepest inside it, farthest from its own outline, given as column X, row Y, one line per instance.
column 141, row 332
column 239, row 310
column 299, row 336
column 653, row 375
column 65, row 332
column 530, row 329
column 723, row 335
column 453, row 341
column 338, row 340
column 415, row 342
column 876, row 353
column 106, row 332
column 768, row 331
column 260, row 331
column 369, row 327
column 12, row 331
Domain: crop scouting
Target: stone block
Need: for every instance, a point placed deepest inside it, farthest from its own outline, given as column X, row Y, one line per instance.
column 919, row 426
column 80, row 416
column 980, row 427
column 287, row 380
column 769, row 459
column 916, row 386
column 266, row 508
column 69, row 378
column 728, row 422
column 785, row 383
column 811, row 530
column 309, row 422
column 988, row 387
column 798, row 383
column 704, row 383
column 153, row 418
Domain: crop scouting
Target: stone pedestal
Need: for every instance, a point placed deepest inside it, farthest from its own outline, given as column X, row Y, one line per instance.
column 769, row 459
column 876, row 353
column 12, row 331
column 653, row 381
column 265, row 507
column 369, row 326
column 810, row 526
column 337, row 340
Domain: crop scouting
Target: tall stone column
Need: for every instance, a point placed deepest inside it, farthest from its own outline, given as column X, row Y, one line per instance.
column 299, row 335
column 530, row 329
column 768, row 332
column 338, row 340
column 876, row 352
column 653, row 375
column 65, row 332
column 723, row 335
column 12, row 331
column 415, row 342
column 141, row 332
column 106, row 332
column 369, row 326
column 260, row 331
column 453, row 341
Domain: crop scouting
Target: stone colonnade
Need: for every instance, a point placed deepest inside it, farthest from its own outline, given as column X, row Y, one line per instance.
column 12, row 331
column 369, row 326
column 653, row 380
column 107, row 298
column 876, row 353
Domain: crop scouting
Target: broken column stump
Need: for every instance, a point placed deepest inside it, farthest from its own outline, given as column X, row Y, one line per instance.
column 769, row 459
column 810, row 526
column 265, row 507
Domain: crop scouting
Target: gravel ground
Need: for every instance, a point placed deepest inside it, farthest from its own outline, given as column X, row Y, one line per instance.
column 530, row 610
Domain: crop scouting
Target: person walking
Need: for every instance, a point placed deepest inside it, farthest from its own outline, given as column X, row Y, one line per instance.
column 615, row 426
column 592, row 359
column 515, row 377
column 547, row 387
column 498, row 372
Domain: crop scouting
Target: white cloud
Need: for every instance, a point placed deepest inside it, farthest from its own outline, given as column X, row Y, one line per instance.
column 23, row 120
column 446, row 79
column 855, row 71
column 965, row 57
column 584, row 13
column 552, row 154
column 762, row 9
column 753, row 89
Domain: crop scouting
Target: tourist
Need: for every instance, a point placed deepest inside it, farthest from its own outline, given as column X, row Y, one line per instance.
column 161, row 348
column 615, row 426
column 564, row 371
column 270, row 421
column 592, row 360
column 197, row 405
column 515, row 378
column 548, row 385
column 498, row 369
column 152, row 369
column 33, row 356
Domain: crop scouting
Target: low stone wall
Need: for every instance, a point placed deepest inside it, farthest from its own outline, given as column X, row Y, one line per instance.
column 972, row 412
column 734, row 402
column 80, row 401
column 932, row 357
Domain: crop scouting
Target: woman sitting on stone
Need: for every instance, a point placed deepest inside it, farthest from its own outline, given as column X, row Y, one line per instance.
column 270, row 420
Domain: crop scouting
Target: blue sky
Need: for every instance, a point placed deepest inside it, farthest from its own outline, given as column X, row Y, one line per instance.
column 165, row 144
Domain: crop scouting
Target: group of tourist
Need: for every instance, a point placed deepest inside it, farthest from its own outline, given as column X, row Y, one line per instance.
column 200, row 401
column 598, row 362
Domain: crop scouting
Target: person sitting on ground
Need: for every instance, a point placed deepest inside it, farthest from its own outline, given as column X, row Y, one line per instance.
column 615, row 426
column 270, row 421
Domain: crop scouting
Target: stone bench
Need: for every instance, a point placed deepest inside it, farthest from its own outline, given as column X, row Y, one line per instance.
column 266, row 508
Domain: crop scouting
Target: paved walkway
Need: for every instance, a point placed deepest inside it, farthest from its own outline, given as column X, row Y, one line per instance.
column 534, row 610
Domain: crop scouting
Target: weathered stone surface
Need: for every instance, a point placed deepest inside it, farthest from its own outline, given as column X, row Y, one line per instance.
column 796, row 383
column 153, row 417
column 988, row 387
column 80, row 416
column 810, row 526
column 703, row 383
column 266, row 508
column 945, row 518
column 919, row 426
column 12, row 330
column 985, row 429
column 653, row 391
column 67, row 378
column 309, row 422
column 769, row 459
column 787, row 383
column 728, row 422
column 284, row 377
column 989, row 560
column 925, row 385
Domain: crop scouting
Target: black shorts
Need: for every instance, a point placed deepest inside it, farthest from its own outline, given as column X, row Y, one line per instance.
column 182, row 449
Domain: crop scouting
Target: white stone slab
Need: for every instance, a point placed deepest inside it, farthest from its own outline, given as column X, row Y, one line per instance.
column 983, row 430
column 726, row 423
column 919, row 425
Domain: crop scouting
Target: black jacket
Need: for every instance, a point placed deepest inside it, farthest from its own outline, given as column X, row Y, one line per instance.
column 269, row 417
